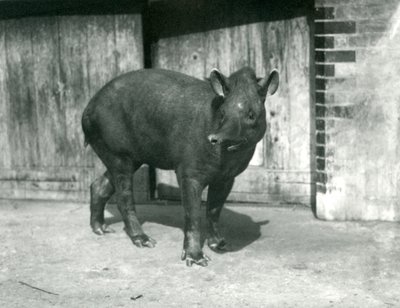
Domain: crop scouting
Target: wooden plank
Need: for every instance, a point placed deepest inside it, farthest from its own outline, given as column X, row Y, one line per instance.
column 60, row 185
column 102, row 63
column 43, row 174
column 57, row 195
column 5, row 151
column 274, row 199
column 58, row 63
column 22, row 122
column 276, row 50
column 74, row 84
column 48, row 91
column 188, row 58
column 128, row 43
column 286, row 46
column 299, row 93
column 251, row 182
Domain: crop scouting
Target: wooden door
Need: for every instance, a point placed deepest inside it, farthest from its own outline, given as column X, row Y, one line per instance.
column 49, row 69
column 280, row 170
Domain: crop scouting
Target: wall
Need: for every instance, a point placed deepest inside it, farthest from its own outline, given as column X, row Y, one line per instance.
column 49, row 69
column 357, row 95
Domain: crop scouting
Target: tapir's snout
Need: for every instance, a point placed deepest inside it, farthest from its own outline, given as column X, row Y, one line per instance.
column 214, row 139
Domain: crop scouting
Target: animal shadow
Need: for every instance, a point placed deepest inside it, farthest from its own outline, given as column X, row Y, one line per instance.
column 239, row 230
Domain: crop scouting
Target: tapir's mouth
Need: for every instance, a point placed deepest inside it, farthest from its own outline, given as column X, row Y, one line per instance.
column 230, row 145
column 236, row 146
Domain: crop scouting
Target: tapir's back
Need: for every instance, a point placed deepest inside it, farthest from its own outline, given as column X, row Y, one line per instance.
column 156, row 111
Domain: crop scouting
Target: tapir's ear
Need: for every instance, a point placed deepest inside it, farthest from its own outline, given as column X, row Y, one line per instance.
column 269, row 84
column 219, row 83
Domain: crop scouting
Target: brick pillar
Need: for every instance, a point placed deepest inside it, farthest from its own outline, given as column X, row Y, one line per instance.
column 357, row 59
column 333, row 66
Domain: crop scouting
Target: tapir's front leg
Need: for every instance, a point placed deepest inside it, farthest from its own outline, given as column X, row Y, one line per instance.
column 217, row 194
column 191, row 190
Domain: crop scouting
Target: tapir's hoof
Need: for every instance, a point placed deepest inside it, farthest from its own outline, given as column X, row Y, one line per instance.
column 142, row 240
column 100, row 229
column 218, row 245
column 201, row 260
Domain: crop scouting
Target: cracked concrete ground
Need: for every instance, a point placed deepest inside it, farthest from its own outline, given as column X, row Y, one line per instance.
column 282, row 257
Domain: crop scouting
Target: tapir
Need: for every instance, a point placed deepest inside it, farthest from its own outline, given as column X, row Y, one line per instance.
column 205, row 130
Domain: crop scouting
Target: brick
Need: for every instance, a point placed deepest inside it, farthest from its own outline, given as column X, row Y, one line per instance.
column 335, row 27
column 320, row 83
column 329, row 151
column 335, row 56
column 342, row 41
column 373, row 25
column 333, row 84
column 320, row 151
column 336, row 84
column 340, row 112
column 324, row 42
column 330, row 97
column 345, row 70
column 321, row 188
column 320, row 111
column 327, row 70
column 321, row 164
column 321, row 177
column 342, row 96
column 324, row 13
column 320, row 97
column 320, row 138
column 320, row 125
column 362, row 12
column 361, row 40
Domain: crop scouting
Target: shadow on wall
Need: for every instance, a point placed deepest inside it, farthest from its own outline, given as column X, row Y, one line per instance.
column 368, row 146
column 238, row 229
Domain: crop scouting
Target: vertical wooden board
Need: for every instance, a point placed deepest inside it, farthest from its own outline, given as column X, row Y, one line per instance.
column 74, row 86
column 286, row 46
column 128, row 43
column 22, row 123
column 299, row 93
column 275, row 50
column 240, row 48
column 103, row 60
column 51, row 111
column 184, row 54
column 255, row 60
column 258, row 156
column 218, row 48
column 5, row 153
column 256, row 57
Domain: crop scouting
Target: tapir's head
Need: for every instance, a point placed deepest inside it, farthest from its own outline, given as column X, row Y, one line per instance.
column 238, row 110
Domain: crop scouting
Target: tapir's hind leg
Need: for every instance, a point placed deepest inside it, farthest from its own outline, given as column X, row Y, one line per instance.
column 121, row 169
column 101, row 191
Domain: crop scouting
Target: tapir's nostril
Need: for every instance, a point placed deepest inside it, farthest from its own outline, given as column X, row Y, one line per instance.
column 213, row 139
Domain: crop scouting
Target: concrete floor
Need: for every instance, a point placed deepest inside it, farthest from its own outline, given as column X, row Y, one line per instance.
column 282, row 257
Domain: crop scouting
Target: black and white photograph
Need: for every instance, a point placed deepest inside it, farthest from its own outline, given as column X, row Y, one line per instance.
column 200, row 153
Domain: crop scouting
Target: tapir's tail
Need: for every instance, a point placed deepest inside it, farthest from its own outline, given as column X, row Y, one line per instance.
column 85, row 127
